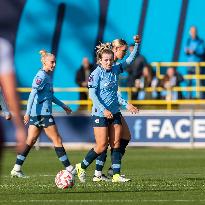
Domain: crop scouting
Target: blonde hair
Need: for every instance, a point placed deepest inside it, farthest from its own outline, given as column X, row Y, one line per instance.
column 118, row 43
column 44, row 54
column 101, row 49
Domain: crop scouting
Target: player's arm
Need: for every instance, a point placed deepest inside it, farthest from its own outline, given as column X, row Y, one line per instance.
column 128, row 106
column 8, row 84
column 132, row 108
column 133, row 54
column 61, row 104
column 121, row 100
column 94, row 97
column 4, row 107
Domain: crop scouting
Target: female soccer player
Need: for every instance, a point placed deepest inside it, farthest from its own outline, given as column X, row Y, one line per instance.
column 119, row 47
column 106, row 117
column 39, row 114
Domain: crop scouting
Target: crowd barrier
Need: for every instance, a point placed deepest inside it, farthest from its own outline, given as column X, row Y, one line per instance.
column 148, row 128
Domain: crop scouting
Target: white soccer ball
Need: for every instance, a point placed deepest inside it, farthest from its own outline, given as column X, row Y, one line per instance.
column 64, row 180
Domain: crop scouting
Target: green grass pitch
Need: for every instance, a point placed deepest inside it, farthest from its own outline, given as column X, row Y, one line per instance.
column 159, row 176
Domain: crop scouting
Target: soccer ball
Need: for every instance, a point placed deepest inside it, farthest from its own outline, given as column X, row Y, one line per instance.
column 64, row 180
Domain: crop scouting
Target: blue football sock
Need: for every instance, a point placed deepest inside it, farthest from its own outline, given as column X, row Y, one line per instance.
column 116, row 160
column 21, row 157
column 62, row 156
column 90, row 157
column 100, row 161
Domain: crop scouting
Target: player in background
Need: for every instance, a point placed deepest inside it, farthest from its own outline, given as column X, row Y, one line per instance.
column 119, row 47
column 39, row 114
column 8, row 86
column 106, row 116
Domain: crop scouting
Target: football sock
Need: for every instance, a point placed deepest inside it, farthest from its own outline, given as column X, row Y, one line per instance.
column 100, row 161
column 62, row 156
column 90, row 157
column 116, row 160
column 21, row 157
column 123, row 145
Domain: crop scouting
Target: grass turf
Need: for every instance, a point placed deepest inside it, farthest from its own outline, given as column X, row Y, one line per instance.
column 159, row 176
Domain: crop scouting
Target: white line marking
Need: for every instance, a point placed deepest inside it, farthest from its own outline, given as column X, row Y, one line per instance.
column 33, row 175
column 99, row 201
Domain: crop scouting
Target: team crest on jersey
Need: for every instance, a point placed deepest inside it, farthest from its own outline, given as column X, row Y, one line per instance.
column 97, row 121
column 50, row 120
column 38, row 80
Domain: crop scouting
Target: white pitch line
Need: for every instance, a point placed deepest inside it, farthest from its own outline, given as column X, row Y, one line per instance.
column 33, row 175
column 100, row 201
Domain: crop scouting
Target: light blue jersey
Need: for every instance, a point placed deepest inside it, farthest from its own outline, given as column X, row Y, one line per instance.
column 121, row 100
column 41, row 96
column 103, row 86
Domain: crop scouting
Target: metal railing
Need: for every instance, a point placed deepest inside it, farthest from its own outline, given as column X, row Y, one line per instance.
column 197, row 76
column 168, row 103
column 129, row 90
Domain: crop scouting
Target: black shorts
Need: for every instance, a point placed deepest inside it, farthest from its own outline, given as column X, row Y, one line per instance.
column 42, row 121
column 104, row 122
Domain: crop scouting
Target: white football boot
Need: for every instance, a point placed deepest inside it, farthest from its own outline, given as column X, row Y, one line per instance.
column 100, row 178
column 118, row 178
column 18, row 174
